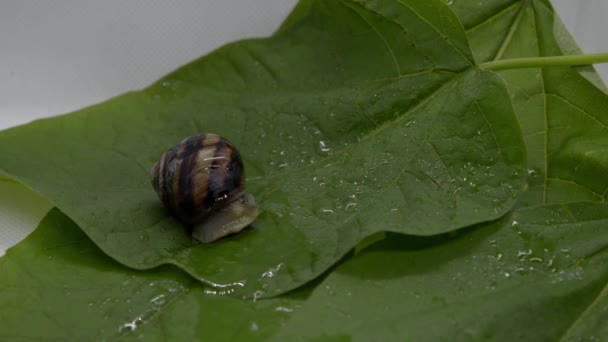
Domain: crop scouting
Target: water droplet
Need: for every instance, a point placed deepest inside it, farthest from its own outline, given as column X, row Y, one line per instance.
column 131, row 326
column 522, row 255
column 253, row 326
column 257, row 295
column 514, row 224
column 223, row 289
column 283, row 309
column 350, row 206
column 270, row 273
column 158, row 300
column 526, row 252
column 324, row 146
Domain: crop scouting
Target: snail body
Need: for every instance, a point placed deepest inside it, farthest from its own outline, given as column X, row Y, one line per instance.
column 201, row 181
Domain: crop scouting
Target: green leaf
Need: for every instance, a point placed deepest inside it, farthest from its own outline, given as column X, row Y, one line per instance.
column 591, row 324
column 561, row 111
column 536, row 274
column 526, row 277
column 58, row 285
column 355, row 118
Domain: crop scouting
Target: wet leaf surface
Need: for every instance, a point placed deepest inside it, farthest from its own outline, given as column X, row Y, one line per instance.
column 383, row 126
column 417, row 121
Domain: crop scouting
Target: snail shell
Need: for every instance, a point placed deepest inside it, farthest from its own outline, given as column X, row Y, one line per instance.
column 201, row 181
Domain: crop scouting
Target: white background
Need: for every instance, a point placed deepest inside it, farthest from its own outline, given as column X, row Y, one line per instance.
column 62, row 55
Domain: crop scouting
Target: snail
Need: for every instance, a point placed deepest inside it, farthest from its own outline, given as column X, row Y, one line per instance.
column 201, row 181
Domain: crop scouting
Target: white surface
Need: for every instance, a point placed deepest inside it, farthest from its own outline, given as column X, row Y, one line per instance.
column 20, row 212
column 58, row 56
column 588, row 22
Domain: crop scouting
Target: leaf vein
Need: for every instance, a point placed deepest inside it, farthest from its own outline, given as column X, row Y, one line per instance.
column 388, row 47
column 492, row 17
column 449, row 41
column 510, row 34
column 603, row 293
column 562, row 98
column 575, row 183
column 485, row 118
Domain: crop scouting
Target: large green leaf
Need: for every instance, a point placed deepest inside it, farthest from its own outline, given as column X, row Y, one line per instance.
column 528, row 276
column 562, row 112
column 355, row 118
column 58, row 285
column 536, row 274
column 539, row 273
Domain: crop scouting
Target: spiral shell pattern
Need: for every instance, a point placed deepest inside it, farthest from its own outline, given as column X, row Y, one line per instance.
column 198, row 176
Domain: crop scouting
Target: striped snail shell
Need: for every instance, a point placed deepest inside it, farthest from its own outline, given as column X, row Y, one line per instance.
column 201, row 181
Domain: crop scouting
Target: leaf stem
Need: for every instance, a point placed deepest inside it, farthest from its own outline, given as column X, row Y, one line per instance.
column 539, row 62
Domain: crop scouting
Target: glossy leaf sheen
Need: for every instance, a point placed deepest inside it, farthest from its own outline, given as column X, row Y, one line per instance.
column 58, row 285
column 539, row 273
column 355, row 118
column 525, row 277
column 561, row 111
column 535, row 274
